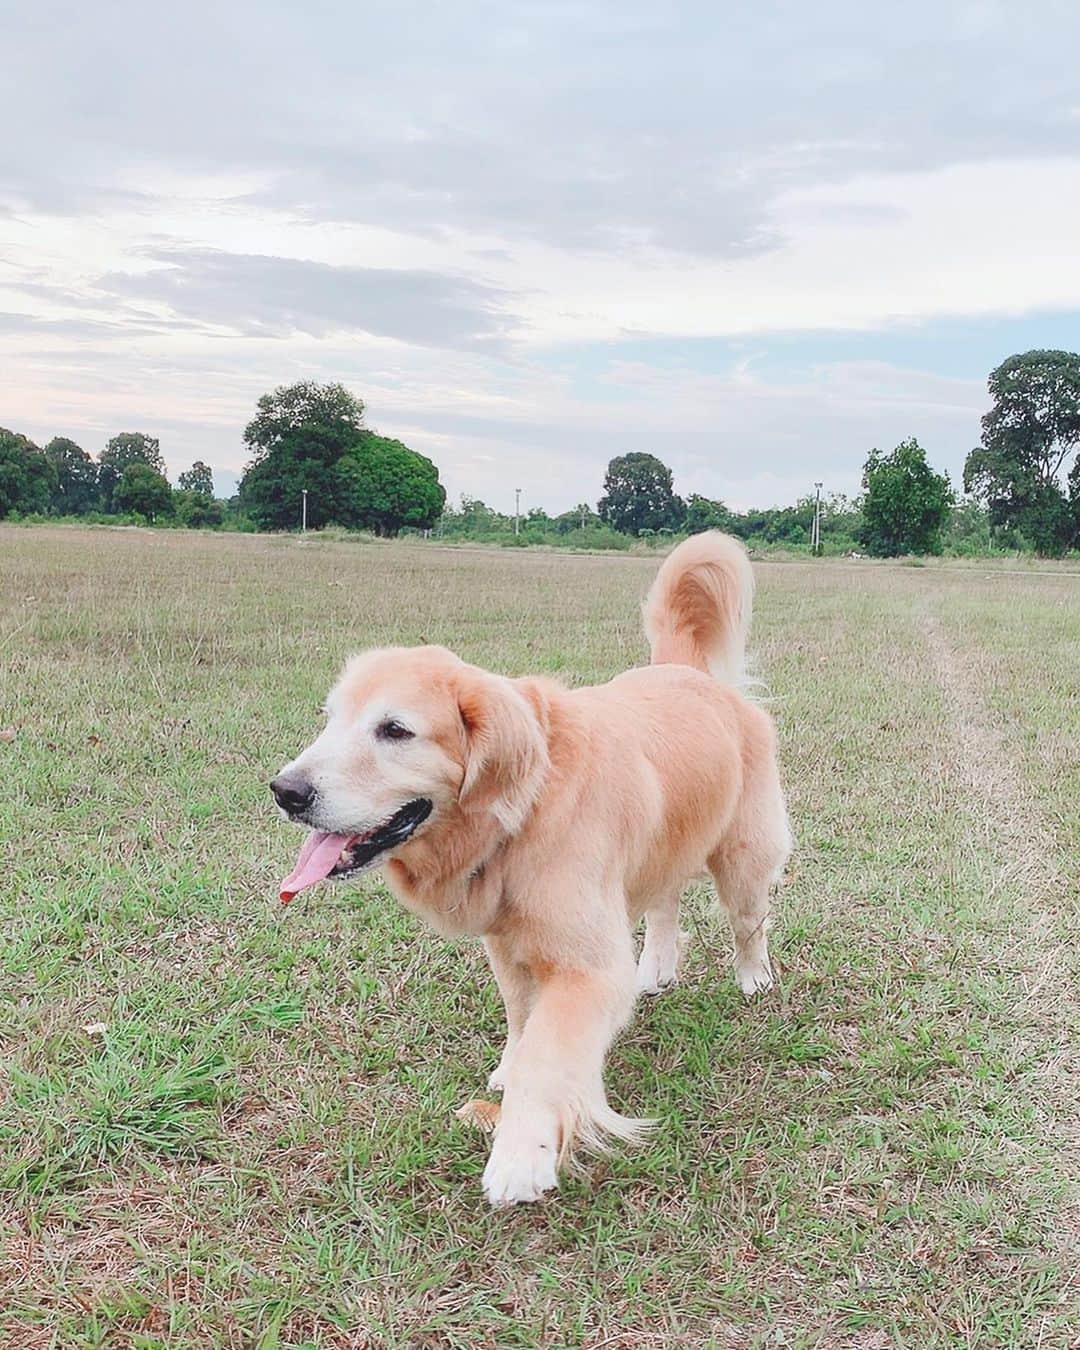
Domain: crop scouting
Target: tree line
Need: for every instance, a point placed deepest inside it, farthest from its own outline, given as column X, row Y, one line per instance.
column 1020, row 490
column 303, row 437
column 126, row 480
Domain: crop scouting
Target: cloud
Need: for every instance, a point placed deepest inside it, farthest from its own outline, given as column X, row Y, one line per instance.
column 752, row 442
column 279, row 297
column 506, row 224
column 77, row 329
column 581, row 124
column 728, row 431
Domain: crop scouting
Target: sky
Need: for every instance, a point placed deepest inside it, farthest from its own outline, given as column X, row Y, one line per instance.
column 756, row 240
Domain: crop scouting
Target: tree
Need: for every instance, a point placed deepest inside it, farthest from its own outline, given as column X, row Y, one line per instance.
column 143, row 491
column 473, row 517
column 384, row 486
column 968, row 534
column 76, row 478
column 297, row 436
column 1074, row 497
column 580, row 517
column 27, row 479
column 130, row 447
column 196, row 510
column 271, row 490
column 328, row 412
column 198, row 478
column 703, row 514
column 638, row 495
column 193, row 501
column 841, row 522
column 1028, row 436
column 790, row 524
column 907, row 505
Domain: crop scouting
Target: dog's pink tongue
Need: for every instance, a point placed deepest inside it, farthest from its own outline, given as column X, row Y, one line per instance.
column 316, row 861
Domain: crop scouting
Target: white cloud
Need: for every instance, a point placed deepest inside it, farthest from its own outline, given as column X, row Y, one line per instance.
column 441, row 218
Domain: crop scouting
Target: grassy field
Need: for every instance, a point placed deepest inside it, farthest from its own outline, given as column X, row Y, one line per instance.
column 224, row 1124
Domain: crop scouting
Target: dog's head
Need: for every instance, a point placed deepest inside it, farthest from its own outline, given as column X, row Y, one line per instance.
column 412, row 736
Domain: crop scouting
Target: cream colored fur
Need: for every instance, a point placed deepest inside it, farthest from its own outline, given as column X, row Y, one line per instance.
column 561, row 817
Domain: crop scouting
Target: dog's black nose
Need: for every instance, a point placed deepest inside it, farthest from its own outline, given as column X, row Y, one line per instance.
column 293, row 793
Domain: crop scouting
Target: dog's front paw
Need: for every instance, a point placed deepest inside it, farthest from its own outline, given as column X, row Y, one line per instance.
column 754, row 976
column 519, row 1176
column 653, row 977
column 658, row 965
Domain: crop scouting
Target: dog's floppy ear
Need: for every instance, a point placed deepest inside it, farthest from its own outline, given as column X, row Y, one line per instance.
column 506, row 754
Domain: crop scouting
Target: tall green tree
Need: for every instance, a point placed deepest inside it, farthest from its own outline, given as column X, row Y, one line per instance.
column 27, row 479
column 76, row 488
column 907, row 504
column 272, row 487
column 638, row 495
column 384, row 486
column 328, row 412
column 144, row 491
column 130, row 447
column 193, row 501
column 199, row 478
column 1028, row 437
column 297, row 436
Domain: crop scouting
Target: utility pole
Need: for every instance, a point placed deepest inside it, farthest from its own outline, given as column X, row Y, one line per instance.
column 303, row 511
column 517, row 510
column 816, row 545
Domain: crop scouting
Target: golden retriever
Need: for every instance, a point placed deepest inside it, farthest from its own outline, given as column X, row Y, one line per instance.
column 547, row 821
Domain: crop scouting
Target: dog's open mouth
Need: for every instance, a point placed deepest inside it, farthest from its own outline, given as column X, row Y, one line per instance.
column 343, row 855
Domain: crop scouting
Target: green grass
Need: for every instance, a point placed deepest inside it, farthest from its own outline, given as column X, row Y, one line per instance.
column 260, row 1149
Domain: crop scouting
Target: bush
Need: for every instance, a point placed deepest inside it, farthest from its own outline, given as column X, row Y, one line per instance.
column 27, row 479
column 143, row 491
column 907, row 505
column 197, row 510
column 382, row 486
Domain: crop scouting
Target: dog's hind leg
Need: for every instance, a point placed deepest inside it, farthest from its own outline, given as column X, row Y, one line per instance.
column 745, row 867
column 658, row 965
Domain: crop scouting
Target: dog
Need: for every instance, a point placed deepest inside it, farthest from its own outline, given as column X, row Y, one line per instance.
column 547, row 821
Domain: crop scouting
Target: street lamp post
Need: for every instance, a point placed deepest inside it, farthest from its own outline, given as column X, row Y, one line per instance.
column 816, row 546
column 303, row 511
column 517, row 511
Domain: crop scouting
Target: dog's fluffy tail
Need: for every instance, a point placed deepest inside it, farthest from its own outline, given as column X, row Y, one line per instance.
column 698, row 610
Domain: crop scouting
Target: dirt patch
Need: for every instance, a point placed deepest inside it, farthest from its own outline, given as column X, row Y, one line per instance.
column 1029, row 873
column 1015, row 831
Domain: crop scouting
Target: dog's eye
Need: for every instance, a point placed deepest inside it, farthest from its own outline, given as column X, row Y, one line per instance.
column 392, row 731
